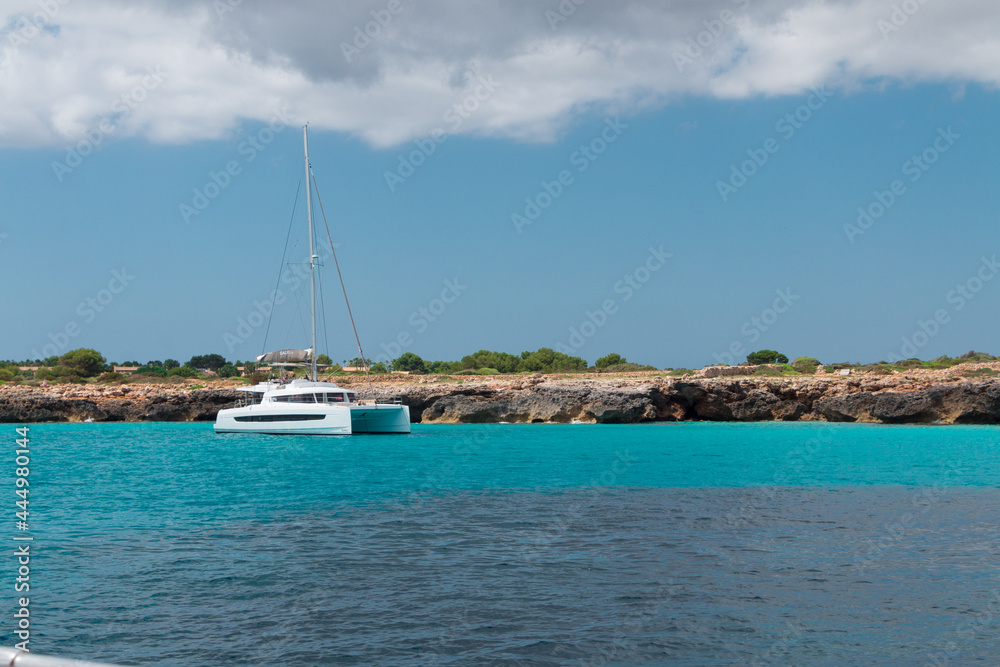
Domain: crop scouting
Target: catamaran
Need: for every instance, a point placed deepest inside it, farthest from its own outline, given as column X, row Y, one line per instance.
column 309, row 406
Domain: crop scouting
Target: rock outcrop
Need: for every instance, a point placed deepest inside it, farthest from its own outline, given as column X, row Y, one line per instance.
column 826, row 398
column 537, row 399
column 112, row 404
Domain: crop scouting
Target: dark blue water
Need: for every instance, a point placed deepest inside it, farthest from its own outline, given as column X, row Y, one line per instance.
column 686, row 544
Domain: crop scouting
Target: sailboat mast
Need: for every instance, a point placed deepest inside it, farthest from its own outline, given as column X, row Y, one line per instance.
column 312, row 252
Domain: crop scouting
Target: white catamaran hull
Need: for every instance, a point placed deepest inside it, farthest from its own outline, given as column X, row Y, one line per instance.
column 314, row 419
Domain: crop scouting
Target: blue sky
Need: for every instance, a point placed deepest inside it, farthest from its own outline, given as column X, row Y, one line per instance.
column 685, row 210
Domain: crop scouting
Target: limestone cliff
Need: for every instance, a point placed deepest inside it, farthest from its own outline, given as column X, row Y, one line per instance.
column 891, row 400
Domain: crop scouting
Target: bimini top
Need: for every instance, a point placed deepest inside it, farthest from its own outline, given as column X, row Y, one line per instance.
column 289, row 357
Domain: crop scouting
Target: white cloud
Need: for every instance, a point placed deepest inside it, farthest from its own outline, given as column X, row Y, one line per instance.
column 222, row 67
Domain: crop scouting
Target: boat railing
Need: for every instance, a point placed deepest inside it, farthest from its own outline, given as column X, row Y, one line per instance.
column 12, row 657
column 392, row 400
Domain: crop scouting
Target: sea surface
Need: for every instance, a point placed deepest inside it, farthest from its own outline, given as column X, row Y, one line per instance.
column 667, row 544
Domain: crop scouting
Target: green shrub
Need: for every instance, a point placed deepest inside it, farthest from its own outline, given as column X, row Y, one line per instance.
column 612, row 359
column 980, row 373
column 806, row 365
column 212, row 362
column 766, row 357
column 59, row 374
column 410, row 362
column 444, row 366
column 86, row 362
column 111, row 378
column 973, row 356
column 627, row 368
column 228, row 371
column 183, row 372
column 500, row 361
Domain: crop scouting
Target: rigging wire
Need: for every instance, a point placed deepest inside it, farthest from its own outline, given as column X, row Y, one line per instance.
column 296, row 320
column 281, row 267
column 322, row 307
column 364, row 361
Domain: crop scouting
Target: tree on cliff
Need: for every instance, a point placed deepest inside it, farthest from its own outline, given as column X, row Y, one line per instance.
column 501, row 361
column 612, row 359
column 212, row 362
column 547, row 360
column 84, row 361
column 444, row 367
column 410, row 362
column 229, row 371
column 766, row 357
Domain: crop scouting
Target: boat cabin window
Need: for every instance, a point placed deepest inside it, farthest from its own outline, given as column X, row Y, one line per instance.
column 295, row 398
column 339, row 397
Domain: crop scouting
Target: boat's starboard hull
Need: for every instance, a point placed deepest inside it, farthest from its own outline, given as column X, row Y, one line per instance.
column 314, row 419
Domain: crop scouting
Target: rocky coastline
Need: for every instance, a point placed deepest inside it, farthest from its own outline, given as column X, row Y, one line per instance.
column 916, row 398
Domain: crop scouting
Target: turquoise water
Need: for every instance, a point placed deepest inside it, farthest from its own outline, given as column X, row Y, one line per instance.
column 165, row 544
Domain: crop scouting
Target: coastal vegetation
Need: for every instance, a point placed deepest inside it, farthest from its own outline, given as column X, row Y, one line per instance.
column 805, row 365
column 766, row 357
column 87, row 365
